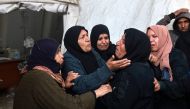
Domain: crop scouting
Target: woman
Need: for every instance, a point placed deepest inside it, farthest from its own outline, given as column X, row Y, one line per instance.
column 43, row 87
column 100, row 40
column 133, row 85
column 81, row 58
column 170, row 68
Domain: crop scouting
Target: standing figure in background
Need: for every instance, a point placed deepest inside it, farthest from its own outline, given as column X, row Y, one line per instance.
column 180, row 34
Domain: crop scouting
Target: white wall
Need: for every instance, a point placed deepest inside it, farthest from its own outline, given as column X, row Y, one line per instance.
column 121, row 14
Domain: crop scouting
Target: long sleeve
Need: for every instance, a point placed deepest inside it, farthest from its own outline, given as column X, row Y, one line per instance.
column 50, row 95
column 178, row 63
column 124, row 94
column 38, row 90
column 132, row 89
column 166, row 20
column 86, row 82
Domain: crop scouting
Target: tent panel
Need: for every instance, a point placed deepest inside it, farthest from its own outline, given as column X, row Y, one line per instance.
column 41, row 1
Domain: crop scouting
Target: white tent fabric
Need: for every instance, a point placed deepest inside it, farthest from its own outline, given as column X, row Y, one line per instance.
column 121, row 14
column 71, row 6
column 6, row 8
column 116, row 14
column 36, row 6
column 41, row 1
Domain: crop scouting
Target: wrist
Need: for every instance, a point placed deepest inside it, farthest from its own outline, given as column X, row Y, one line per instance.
column 95, row 94
column 172, row 16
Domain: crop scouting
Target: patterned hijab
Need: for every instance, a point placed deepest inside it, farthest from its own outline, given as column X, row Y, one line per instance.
column 164, row 47
column 43, row 54
column 72, row 46
column 137, row 45
column 95, row 33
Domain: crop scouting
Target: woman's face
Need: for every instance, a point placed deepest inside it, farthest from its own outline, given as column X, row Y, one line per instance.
column 153, row 40
column 59, row 57
column 120, row 48
column 84, row 41
column 103, row 42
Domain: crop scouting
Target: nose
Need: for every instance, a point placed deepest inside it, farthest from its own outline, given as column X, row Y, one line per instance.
column 87, row 39
column 103, row 41
column 151, row 39
column 183, row 24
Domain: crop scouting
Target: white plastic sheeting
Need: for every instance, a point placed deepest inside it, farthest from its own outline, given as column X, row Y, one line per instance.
column 71, row 6
column 41, row 1
column 7, row 6
column 70, row 19
column 51, row 7
column 116, row 14
column 121, row 14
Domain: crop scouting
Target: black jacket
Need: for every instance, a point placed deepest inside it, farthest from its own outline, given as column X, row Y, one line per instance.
column 132, row 88
column 172, row 95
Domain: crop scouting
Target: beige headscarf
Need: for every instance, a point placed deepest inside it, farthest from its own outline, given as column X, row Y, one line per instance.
column 164, row 47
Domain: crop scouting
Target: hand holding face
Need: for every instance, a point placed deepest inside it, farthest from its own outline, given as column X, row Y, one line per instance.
column 117, row 64
column 153, row 58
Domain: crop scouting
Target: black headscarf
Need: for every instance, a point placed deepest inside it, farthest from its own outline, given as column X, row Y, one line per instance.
column 95, row 33
column 43, row 54
column 137, row 45
column 87, row 59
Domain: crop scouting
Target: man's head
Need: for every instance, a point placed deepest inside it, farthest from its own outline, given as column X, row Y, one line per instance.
column 182, row 22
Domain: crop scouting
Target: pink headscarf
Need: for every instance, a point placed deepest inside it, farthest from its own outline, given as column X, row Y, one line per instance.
column 164, row 47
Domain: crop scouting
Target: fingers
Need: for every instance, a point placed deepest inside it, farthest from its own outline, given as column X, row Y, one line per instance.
column 156, row 85
column 117, row 64
column 184, row 10
column 102, row 90
column 72, row 75
column 111, row 59
column 150, row 57
column 123, row 61
column 153, row 58
column 69, row 84
column 125, row 64
column 179, row 11
column 106, row 88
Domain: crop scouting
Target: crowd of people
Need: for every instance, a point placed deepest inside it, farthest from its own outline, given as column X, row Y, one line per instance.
column 148, row 70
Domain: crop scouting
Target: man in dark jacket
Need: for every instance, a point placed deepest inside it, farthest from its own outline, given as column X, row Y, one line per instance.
column 180, row 34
